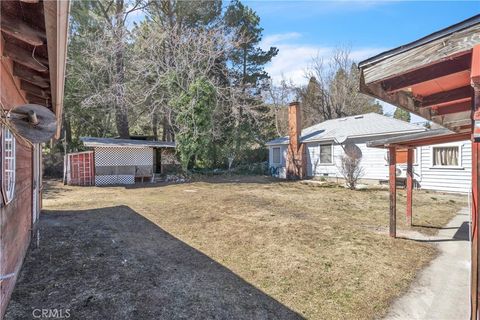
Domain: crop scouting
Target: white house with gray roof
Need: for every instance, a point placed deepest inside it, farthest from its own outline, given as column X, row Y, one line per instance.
column 324, row 145
column 441, row 167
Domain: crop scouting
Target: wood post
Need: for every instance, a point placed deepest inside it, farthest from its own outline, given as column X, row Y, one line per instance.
column 410, row 153
column 474, row 229
column 474, row 285
column 392, row 162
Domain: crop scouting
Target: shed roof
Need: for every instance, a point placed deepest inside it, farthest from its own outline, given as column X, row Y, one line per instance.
column 441, row 135
column 113, row 142
column 365, row 125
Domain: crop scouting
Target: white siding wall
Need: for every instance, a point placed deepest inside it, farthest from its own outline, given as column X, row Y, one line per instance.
column 447, row 179
column 314, row 168
column 374, row 162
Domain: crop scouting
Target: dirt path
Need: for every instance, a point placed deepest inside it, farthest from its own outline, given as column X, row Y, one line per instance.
column 441, row 290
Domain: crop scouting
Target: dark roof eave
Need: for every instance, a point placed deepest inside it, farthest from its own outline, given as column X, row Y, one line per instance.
column 111, row 142
column 405, row 139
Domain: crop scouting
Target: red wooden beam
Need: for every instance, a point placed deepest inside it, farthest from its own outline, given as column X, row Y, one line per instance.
column 437, row 70
column 474, row 227
column 31, row 76
column 410, row 153
column 26, row 58
column 35, row 90
column 452, row 108
column 36, row 100
column 446, row 96
column 475, row 68
column 474, row 285
column 392, row 161
column 22, row 31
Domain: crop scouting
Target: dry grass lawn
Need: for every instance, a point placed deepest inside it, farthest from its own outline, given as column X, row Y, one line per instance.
column 321, row 251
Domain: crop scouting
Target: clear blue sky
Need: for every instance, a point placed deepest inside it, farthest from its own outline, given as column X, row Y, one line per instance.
column 304, row 29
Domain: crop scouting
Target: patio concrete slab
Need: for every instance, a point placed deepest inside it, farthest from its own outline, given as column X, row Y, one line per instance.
column 441, row 291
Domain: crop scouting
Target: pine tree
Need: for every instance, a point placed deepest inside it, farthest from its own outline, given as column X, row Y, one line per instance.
column 402, row 115
column 248, row 60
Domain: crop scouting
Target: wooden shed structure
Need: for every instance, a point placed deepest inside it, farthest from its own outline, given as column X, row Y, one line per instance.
column 125, row 161
column 33, row 45
column 79, row 169
column 438, row 78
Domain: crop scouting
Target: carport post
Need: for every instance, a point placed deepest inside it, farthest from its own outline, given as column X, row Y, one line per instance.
column 474, row 229
column 392, row 168
column 409, row 185
column 475, row 81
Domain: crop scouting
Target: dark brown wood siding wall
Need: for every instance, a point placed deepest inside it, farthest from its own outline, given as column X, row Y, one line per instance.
column 15, row 218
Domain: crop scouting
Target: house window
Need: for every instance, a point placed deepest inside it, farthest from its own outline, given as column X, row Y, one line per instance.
column 8, row 173
column 446, row 156
column 326, row 153
column 276, row 155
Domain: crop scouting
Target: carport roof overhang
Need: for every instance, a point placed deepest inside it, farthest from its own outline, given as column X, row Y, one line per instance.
column 438, row 78
column 419, row 139
column 431, row 77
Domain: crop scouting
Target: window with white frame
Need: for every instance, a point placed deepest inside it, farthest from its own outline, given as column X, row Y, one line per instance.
column 276, row 155
column 8, row 169
column 446, row 156
column 326, row 153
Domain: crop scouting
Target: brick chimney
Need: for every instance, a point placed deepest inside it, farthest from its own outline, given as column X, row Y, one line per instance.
column 296, row 160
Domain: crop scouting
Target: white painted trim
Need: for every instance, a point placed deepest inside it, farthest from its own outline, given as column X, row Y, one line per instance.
column 8, row 185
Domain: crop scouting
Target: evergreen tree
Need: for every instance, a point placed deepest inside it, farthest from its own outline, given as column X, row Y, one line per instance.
column 402, row 115
column 248, row 60
column 194, row 120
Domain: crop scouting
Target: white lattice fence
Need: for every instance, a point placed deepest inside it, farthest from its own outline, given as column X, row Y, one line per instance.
column 120, row 165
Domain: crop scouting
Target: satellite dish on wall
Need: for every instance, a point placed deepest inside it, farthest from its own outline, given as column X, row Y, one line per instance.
column 352, row 150
column 33, row 122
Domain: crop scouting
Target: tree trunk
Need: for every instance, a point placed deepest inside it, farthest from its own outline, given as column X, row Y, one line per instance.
column 155, row 125
column 68, row 128
column 167, row 131
column 121, row 109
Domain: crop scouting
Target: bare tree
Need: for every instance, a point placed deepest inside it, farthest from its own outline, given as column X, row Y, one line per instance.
column 169, row 60
column 278, row 97
column 333, row 90
column 350, row 166
column 107, row 61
